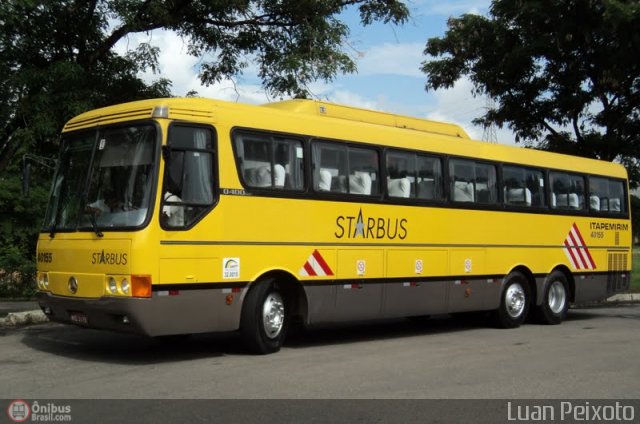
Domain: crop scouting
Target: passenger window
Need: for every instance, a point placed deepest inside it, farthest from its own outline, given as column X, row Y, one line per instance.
column 567, row 191
column 363, row 171
column 523, row 186
column 401, row 174
column 606, row 195
column 345, row 169
column 473, row 182
column 415, row 176
column 270, row 162
column 429, row 178
column 189, row 178
column 330, row 167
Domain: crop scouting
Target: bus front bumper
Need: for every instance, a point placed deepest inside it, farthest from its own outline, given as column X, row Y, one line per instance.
column 196, row 311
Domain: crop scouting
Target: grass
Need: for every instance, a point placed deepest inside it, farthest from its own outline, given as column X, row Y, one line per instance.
column 635, row 271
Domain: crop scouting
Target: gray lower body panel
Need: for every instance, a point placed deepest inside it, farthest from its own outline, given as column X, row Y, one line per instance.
column 192, row 311
column 362, row 301
column 206, row 310
column 596, row 287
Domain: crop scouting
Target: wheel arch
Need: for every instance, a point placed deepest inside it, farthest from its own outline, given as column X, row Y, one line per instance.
column 531, row 281
column 291, row 287
column 570, row 280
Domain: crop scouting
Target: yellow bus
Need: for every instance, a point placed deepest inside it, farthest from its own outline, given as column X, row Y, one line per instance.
column 180, row 216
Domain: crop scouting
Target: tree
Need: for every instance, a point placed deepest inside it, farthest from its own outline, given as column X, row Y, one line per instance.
column 57, row 60
column 635, row 218
column 564, row 74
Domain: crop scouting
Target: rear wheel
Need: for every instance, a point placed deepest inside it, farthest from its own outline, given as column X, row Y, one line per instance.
column 264, row 318
column 514, row 302
column 555, row 302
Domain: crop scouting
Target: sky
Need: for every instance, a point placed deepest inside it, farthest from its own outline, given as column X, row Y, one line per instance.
column 388, row 59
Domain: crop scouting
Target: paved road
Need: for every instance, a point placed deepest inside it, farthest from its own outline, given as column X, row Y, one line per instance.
column 594, row 354
column 16, row 306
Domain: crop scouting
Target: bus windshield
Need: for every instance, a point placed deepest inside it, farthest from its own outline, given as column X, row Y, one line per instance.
column 104, row 180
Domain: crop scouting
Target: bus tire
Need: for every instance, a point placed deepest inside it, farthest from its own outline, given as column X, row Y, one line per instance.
column 555, row 301
column 514, row 302
column 264, row 319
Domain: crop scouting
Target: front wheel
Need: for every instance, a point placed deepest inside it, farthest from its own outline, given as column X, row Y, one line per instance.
column 555, row 302
column 514, row 302
column 264, row 318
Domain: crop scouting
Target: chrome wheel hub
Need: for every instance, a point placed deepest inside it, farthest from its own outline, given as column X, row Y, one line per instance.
column 557, row 297
column 515, row 300
column 273, row 315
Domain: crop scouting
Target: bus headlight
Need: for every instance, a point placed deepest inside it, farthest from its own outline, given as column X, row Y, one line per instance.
column 43, row 281
column 112, row 285
column 124, row 286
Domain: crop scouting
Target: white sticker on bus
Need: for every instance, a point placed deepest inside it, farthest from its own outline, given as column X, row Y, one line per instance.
column 231, row 268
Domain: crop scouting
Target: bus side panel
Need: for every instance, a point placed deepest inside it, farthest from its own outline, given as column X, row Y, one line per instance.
column 415, row 299
column 590, row 288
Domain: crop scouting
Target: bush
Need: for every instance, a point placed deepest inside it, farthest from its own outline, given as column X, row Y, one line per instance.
column 20, row 222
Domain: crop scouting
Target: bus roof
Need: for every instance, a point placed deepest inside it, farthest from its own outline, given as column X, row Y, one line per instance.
column 310, row 118
column 332, row 110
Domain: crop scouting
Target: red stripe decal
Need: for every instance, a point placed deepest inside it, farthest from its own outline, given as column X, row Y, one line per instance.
column 307, row 267
column 575, row 227
column 577, row 254
column 325, row 267
column 573, row 258
column 584, row 245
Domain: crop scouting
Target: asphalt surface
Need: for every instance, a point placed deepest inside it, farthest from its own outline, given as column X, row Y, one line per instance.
column 9, row 306
column 362, row 372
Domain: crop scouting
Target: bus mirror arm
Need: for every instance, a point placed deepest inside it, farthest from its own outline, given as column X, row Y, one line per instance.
column 26, row 169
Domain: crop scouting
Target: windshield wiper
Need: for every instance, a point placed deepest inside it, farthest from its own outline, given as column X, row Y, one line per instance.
column 94, row 223
column 54, row 224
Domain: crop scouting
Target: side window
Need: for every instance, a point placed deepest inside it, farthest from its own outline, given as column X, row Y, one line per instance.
column 401, row 174
column 429, row 178
column 363, row 171
column 523, row 186
column 606, row 195
column 567, row 191
column 340, row 168
column 473, row 182
column 415, row 176
column 270, row 162
column 329, row 167
column 188, row 186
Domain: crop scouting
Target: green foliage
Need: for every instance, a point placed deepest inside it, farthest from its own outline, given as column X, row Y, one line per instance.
column 564, row 74
column 20, row 222
column 57, row 60
column 635, row 218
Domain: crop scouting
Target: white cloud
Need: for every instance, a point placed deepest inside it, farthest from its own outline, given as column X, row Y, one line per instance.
column 181, row 69
column 352, row 99
column 459, row 106
column 388, row 58
column 449, row 7
column 385, row 61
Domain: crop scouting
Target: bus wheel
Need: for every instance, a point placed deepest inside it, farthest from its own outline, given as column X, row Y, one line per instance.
column 264, row 319
column 514, row 302
column 555, row 302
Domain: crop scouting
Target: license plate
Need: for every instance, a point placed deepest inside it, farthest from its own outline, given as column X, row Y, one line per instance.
column 78, row 318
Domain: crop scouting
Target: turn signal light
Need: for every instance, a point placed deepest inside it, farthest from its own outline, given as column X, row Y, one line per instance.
column 141, row 285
